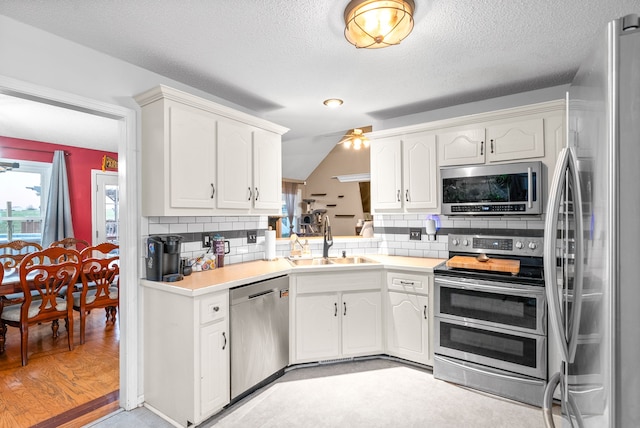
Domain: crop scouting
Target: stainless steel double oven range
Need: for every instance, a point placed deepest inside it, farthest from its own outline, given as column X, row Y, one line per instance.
column 491, row 327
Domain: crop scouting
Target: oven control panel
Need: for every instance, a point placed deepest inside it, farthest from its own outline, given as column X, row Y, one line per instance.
column 513, row 245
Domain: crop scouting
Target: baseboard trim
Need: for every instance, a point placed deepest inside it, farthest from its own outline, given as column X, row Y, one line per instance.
column 77, row 412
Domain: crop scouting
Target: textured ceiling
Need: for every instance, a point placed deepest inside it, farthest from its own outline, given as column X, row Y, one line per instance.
column 281, row 59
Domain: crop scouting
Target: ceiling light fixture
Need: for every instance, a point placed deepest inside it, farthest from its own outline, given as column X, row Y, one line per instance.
column 333, row 102
column 375, row 24
column 355, row 139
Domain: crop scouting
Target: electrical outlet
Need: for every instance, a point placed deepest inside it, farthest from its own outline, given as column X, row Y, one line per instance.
column 252, row 236
column 415, row 234
column 207, row 240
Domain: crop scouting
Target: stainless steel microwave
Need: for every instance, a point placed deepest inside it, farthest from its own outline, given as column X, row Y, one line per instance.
column 503, row 189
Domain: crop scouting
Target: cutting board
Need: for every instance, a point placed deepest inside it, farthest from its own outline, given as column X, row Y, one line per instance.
column 495, row 265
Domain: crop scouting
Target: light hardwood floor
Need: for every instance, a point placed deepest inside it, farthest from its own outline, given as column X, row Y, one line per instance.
column 57, row 386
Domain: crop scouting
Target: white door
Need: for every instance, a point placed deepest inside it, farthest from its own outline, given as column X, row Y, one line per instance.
column 267, row 171
column 386, row 174
column 361, row 323
column 105, row 206
column 408, row 326
column 461, row 147
column 214, row 368
column 317, row 327
column 234, row 165
column 420, row 171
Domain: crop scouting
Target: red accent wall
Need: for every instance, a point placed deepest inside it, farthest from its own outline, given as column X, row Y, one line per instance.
column 80, row 162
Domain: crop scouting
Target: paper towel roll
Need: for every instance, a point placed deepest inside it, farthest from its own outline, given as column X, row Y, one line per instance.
column 270, row 245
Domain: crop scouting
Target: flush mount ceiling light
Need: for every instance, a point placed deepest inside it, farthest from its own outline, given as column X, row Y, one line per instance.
column 375, row 24
column 333, row 102
column 355, row 139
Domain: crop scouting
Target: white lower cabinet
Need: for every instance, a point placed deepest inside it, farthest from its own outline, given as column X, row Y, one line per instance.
column 409, row 316
column 336, row 315
column 186, row 349
column 408, row 326
column 214, row 364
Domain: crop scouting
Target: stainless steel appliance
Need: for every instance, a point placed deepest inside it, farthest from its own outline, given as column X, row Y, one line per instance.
column 491, row 327
column 259, row 334
column 513, row 188
column 591, row 243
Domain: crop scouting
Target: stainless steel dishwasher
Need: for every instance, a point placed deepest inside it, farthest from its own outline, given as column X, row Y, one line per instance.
column 259, row 334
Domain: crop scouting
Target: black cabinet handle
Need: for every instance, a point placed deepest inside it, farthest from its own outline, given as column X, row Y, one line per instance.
column 481, row 148
column 257, row 194
column 425, row 312
column 249, row 189
column 406, row 195
column 213, row 190
column 335, row 309
column 491, row 146
column 345, row 308
column 225, row 340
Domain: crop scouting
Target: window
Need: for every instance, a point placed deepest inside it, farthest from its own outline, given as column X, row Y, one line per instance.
column 23, row 200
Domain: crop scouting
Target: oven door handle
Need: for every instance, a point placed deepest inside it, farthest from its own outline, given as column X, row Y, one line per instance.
column 493, row 373
column 490, row 288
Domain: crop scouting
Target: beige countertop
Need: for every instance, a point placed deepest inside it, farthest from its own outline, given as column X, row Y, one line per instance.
column 199, row 283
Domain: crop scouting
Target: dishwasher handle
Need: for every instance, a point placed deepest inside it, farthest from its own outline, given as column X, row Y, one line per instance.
column 262, row 293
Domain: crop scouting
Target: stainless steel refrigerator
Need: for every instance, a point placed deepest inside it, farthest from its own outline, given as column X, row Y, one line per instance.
column 592, row 241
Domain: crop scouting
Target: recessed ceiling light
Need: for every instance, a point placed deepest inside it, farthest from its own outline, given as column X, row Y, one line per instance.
column 333, row 102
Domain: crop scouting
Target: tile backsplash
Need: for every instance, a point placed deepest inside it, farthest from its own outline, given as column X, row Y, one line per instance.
column 391, row 235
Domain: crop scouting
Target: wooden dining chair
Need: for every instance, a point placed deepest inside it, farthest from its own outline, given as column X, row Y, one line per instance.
column 46, row 272
column 100, row 275
column 76, row 244
column 11, row 254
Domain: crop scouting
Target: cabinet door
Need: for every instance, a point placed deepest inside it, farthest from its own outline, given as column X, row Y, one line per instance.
column 317, row 327
column 192, row 141
column 267, row 171
column 408, row 326
column 420, row 171
column 516, row 140
column 462, row 147
column 234, row 165
column 386, row 174
column 214, row 368
column 361, row 323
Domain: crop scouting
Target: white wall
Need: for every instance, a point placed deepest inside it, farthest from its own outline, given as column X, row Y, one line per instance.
column 32, row 55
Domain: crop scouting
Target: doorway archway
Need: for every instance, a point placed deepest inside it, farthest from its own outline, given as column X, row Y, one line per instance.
column 129, row 219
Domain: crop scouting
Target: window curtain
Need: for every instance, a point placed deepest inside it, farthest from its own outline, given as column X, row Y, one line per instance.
column 57, row 219
column 290, row 190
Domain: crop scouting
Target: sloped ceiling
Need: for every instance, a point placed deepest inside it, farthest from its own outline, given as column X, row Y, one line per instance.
column 281, row 59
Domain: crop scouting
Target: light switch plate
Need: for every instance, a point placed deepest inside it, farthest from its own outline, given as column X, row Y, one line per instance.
column 415, row 234
column 252, row 236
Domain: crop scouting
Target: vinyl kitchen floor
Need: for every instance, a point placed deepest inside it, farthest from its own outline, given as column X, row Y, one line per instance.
column 370, row 393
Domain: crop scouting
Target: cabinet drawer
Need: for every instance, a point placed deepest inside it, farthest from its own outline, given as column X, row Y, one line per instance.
column 214, row 307
column 410, row 283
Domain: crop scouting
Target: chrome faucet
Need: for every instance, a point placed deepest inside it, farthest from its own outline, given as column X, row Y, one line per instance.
column 328, row 238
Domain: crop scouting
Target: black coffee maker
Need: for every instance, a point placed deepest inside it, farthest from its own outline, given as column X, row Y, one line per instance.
column 163, row 258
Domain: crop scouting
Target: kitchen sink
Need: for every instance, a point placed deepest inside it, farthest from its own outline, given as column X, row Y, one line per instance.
column 310, row 262
column 318, row 261
column 351, row 260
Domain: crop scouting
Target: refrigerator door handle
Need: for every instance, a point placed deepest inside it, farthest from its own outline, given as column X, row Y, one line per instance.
column 574, row 326
column 547, row 403
column 550, row 237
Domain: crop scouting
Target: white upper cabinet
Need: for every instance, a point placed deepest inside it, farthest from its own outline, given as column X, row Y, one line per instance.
column 202, row 158
column 386, row 173
column 267, row 171
column 464, row 147
column 404, row 173
column 420, row 172
column 522, row 139
column 509, row 141
column 234, row 165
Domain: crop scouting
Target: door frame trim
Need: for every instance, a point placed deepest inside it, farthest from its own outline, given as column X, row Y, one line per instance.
column 130, row 356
